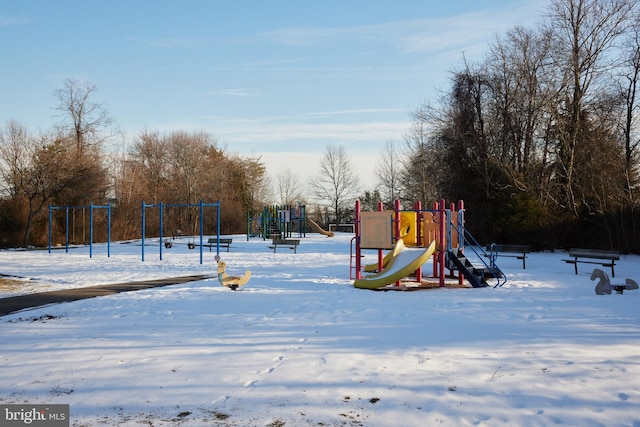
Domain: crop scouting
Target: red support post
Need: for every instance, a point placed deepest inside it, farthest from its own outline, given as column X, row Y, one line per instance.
column 380, row 251
column 460, row 235
column 417, row 207
column 396, row 224
column 443, row 242
column 358, row 231
column 437, row 239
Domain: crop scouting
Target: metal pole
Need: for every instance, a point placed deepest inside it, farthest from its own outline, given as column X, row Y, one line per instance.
column 441, row 254
column 161, row 242
column 380, row 256
column 50, row 219
column 201, row 227
column 461, row 235
column 66, row 229
column 417, row 207
column 218, row 231
column 358, row 249
column 108, row 230
column 91, row 230
column 143, row 229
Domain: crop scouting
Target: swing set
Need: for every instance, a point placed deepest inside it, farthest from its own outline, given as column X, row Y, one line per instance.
column 73, row 209
column 161, row 208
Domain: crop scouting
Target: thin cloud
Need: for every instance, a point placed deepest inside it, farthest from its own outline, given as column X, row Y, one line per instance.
column 306, row 36
column 6, row 21
column 242, row 92
column 260, row 131
column 418, row 35
column 354, row 112
column 178, row 43
column 273, row 63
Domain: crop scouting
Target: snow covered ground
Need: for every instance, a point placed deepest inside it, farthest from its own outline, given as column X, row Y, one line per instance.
column 299, row 345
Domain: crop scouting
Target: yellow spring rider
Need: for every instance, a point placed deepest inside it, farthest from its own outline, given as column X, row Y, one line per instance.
column 232, row 282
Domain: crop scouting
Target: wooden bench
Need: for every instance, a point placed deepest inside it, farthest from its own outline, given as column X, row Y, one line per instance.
column 177, row 234
column 593, row 256
column 213, row 243
column 512, row 251
column 286, row 243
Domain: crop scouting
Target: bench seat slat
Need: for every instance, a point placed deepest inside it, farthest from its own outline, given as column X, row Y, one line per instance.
column 511, row 251
column 592, row 253
column 213, row 241
column 287, row 243
column 588, row 256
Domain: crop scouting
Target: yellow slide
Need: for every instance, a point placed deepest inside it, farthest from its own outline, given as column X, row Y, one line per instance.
column 315, row 227
column 373, row 268
column 403, row 262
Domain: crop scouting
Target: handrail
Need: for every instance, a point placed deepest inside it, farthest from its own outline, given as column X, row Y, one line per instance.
column 473, row 244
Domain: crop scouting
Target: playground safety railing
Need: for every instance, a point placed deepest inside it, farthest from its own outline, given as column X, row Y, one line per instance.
column 470, row 243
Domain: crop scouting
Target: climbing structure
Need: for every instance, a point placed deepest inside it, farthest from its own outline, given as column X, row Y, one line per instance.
column 439, row 231
column 277, row 221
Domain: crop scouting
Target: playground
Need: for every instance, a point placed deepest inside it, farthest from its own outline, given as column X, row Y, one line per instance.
column 414, row 236
column 281, row 221
column 300, row 345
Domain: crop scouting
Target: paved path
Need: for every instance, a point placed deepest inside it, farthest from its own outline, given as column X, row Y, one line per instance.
column 21, row 302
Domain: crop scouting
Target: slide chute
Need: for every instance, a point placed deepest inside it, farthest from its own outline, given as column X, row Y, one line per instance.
column 401, row 263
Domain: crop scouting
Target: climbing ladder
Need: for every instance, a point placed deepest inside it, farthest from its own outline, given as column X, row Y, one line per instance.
column 476, row 274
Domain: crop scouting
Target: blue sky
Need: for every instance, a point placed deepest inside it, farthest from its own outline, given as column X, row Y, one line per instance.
column 276, row 79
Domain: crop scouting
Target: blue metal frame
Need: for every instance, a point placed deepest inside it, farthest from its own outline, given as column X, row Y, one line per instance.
column 66, row 226
column 201, row 206
column 474, row 246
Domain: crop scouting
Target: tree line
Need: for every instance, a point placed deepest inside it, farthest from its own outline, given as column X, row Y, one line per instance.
column 70, row 165
column 540, row 137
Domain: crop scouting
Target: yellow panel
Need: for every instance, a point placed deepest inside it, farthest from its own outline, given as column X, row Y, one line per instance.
column 408, row 228
column 375, row 230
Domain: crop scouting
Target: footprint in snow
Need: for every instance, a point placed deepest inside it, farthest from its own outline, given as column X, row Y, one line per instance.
column 421, row 359
column 220, row 400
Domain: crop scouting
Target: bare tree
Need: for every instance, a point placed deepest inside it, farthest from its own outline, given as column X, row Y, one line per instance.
column 631, row 82
column 337, row 183
column 388, row 171
column 423, row 168
column 149, row 164
column 15, row 147
column 288, row 187
column 186, row 162
column 39, row 170
column 83, row 119
column 183, row 168
column 251, row 183
column 522, row 92
column 586, row 32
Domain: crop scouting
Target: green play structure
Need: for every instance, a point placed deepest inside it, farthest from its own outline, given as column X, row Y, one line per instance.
column 277, row 221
